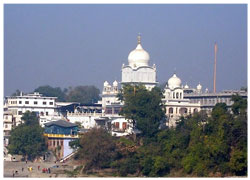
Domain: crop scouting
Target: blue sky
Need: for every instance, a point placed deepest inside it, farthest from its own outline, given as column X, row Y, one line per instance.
column 71, row 45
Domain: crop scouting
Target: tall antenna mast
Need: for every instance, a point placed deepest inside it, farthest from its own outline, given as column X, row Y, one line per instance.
column 215, row 60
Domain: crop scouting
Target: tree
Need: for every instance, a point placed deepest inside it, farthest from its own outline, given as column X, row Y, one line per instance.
column 143, row 107
column 52, row 92
column 83, row 94
column 239, row 105
column 16, row 93
column 97, row 149
column 27, row 139
column 30, row 118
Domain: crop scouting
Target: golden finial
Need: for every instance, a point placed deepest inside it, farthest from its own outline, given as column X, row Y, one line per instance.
column 139, row 38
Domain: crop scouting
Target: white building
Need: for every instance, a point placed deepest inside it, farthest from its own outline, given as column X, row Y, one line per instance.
column 209, row 99
column 138, row 70
column 44, row 106
column 109, row 99
column 175, row 104
column 87, row 120
column 8, row 124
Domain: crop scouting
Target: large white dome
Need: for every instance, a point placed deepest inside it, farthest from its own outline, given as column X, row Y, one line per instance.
column 138, row 57
column 174, row 82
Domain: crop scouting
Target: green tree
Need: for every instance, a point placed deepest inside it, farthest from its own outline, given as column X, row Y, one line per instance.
column 239, row 105
column 143, row 107
column 27, row 139
column 16, row 93
column 97, row 149
column 52, row 92
column 30, row 118
column 83, row 94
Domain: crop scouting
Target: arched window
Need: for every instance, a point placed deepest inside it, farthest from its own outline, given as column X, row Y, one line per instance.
column 170, row 110
column 183, row 111
column 177, row 95
column 174, row 95
column 180, row 95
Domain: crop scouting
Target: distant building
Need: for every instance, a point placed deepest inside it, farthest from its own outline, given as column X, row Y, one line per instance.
column 208, row 100
column 138, row 70
column 44, row 106
column 174, row 102
column 8, row 124
column 60, row 133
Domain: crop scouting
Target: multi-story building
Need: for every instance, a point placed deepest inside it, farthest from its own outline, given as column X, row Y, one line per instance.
column 209, row 100
column 174, row 102
column 8, row 124
column 44, row 106
column 138, row 70
column 60, row 133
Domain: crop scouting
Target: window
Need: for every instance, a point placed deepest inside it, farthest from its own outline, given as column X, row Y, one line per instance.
column 6, row 125
column 20, row 102
column 50, row 103
column 117, row 124
column 35, row 102
column 42, row 113
column 47, row 113
column 170, row 110
column 124, row 125
column 20, row 112
column 26, row 102
column 44, row 103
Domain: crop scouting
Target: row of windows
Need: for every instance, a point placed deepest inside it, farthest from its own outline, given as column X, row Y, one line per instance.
column 110, row 89
column 35, row 102
column 116, row 125
column 41, row 113
column 55, row 143
column 181, row 110
column 115, row 110
column 177, row 95
column 212, row 101
column 13, row 102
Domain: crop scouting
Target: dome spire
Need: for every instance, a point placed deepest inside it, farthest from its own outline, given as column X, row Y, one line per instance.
column 139, row 38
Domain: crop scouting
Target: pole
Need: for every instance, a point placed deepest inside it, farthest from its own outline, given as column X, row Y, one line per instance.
column 215, row 60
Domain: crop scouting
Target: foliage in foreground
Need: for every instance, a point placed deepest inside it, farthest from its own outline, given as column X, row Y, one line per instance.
column 199, row 146
column 143, row 107
column 27, row 139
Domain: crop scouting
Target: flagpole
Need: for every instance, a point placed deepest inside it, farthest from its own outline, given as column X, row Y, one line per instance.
column 215, row 61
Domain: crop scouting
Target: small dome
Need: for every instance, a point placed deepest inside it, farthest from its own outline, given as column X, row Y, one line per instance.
column 174, row 82
column 138, row 57
column 199, row 87
column 186, row 86
column 115, row 83
column 105, row 83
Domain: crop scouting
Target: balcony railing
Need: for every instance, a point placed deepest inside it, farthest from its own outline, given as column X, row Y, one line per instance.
column 61, row 136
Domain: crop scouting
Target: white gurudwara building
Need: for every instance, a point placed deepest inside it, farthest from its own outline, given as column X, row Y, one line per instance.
column 138, row 70
column 175, row 104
